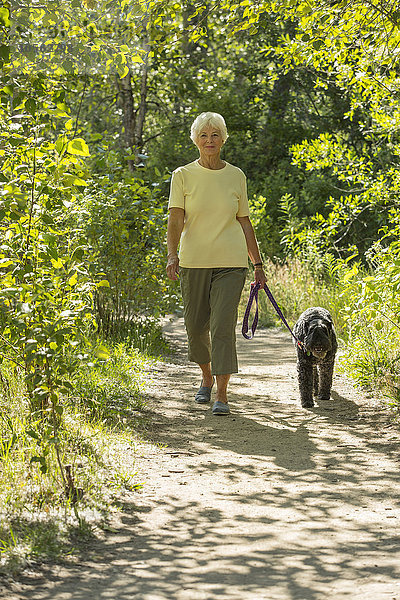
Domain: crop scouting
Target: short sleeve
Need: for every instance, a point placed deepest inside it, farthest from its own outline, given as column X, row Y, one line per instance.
column 176, row 194
column 243, row 210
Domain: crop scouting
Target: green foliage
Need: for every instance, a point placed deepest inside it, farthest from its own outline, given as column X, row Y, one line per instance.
column 355, row 47
column 124, row 223
column 110, row 392
column 71, row 36
column 45, row 287
column 101, row 415
column 372, row 319
column 309, row 90
column 49, row 255
column 356, row 217
column 144, row 334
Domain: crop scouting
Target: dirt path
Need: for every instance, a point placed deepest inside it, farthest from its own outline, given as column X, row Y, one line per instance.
column 272, row 502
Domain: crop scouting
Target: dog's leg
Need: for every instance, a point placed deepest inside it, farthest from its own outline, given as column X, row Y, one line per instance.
column 305, row 372
column 325, row 380
column 315, row 381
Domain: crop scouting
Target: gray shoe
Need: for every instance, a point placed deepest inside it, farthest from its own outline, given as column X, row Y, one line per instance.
column 203, row 395
column 220, row 408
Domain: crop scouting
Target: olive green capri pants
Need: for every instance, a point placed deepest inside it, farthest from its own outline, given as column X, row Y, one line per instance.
column 210, row 299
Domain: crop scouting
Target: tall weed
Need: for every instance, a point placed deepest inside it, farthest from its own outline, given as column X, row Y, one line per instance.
column 110, row 390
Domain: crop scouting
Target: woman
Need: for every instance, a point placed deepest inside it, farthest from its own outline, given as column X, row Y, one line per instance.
column 209, row 218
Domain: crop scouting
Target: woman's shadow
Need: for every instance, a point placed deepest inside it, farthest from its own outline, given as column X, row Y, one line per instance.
column 278, row 430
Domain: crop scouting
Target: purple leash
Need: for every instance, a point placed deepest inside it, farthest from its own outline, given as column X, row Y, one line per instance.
column 249, row 334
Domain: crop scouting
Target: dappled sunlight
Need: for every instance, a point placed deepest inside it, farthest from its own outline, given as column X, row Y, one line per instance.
column 276, row 543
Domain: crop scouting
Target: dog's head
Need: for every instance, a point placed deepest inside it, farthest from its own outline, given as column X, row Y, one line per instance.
column 318, row 336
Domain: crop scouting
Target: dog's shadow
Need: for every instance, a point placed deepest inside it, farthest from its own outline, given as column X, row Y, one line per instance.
column 337, row 408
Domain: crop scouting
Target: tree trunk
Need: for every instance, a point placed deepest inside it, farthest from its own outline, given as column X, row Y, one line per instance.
column 134, row 118
column 126, row 99
column 142, row 108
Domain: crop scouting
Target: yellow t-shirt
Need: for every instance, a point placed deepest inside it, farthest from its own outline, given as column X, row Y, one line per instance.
column 211, row 199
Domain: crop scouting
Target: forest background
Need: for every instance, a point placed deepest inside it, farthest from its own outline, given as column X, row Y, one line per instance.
column 96, row 102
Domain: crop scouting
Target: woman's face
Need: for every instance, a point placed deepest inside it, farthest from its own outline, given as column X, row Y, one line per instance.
column 209, row 141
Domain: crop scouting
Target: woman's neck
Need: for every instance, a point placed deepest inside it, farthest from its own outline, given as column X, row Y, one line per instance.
column 211, row 162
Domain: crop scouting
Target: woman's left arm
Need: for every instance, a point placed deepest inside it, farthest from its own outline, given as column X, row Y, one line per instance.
column 253, row 250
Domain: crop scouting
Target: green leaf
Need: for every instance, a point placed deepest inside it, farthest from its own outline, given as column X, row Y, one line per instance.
column 78, row 254
column 317, row 44
column 5, row 53
column 5, row 262
column 57, row 264
column 79, row 147
column 7, row 90
column 5, row 16
column 30, row 106
column 79, row 182
column 123, row 71
column 69, row 124
column 102, row 352
column 68, row 66
column 350, row 274
column 46, row 218
column 60, row 144
column 73, row 280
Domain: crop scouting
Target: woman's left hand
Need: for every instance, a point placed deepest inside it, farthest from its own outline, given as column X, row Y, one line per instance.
column 259, row 277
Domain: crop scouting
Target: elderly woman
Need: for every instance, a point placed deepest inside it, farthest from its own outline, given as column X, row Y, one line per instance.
column 209, row 219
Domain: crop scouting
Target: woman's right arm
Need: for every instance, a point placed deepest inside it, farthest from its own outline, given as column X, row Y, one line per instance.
column 175, row 226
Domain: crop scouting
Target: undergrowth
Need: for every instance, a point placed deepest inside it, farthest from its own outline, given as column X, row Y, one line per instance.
column 101, row 416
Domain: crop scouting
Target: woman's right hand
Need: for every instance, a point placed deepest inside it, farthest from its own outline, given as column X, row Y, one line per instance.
column 173, row 267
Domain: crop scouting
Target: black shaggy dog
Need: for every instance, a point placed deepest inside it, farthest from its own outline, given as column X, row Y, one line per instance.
column 315, row 360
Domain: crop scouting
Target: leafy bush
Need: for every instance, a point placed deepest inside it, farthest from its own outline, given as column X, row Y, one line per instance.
column 372, row 317
column 46, row 290
column 124, row 222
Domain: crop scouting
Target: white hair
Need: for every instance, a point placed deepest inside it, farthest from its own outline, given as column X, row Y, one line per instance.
column 208, row 119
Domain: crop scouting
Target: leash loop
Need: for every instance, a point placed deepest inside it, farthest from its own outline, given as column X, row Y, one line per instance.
column 249, row 334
